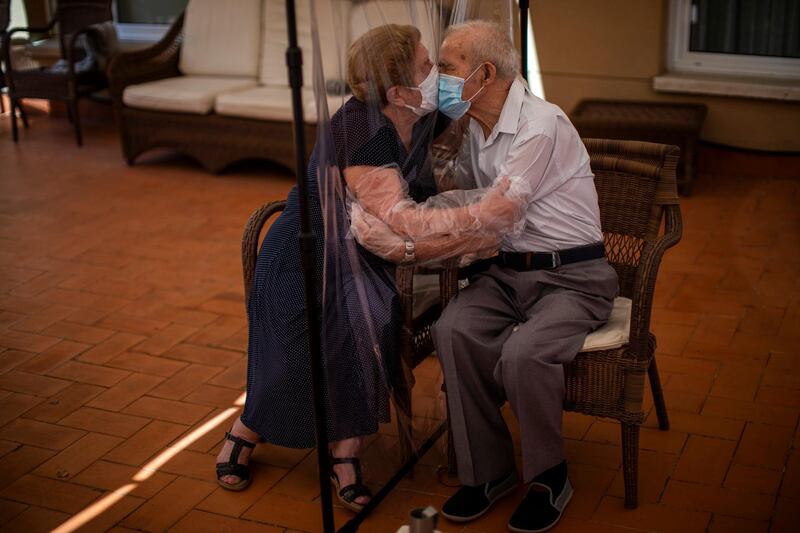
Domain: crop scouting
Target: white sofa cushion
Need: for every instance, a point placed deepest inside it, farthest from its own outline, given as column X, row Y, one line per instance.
column 185, row 94
column 271, row 103
column 373, row 13
column 221, row 38
column 332, row 16
column 615, row 333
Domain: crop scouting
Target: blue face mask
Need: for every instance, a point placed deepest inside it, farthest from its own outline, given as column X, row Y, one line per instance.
column 450, row 91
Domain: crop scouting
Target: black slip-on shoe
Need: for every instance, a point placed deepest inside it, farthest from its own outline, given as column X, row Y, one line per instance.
column 469, row 503
column 543, row 505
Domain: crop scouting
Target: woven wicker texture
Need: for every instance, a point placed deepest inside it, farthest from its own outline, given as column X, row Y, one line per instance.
column 659, row 122
column 640, row 114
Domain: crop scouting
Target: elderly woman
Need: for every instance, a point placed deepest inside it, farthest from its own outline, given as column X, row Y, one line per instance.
column 378, row 150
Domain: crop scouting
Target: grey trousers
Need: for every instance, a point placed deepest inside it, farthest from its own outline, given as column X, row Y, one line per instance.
column 505, row 338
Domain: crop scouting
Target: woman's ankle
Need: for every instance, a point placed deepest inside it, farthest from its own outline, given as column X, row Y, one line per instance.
column 347, row 447
column 239, row 429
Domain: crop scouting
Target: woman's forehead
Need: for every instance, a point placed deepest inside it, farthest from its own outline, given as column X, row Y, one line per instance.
column 422, row 52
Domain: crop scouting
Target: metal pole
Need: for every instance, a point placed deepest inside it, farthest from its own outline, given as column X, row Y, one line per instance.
column 294, row 63
column 523, row 35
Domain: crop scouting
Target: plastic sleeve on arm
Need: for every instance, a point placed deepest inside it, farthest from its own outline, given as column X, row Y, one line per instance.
column 378, row 238
column 384, row 194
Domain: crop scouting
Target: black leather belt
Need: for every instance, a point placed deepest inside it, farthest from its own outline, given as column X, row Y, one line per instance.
column 550, row 260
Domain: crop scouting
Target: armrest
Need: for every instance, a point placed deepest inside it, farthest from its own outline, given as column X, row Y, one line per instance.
column 152, row 63
column 644, row 286
column 252, row 231
column 404, row 280
column 5, row 44
column 34, row 29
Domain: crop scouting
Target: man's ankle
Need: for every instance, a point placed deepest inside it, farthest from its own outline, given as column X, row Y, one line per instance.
column 554, row 477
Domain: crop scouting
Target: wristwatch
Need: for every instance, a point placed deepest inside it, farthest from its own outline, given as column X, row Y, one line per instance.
column 409, row 256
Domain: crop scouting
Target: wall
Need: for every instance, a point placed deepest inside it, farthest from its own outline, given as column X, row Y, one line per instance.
column 613, row 49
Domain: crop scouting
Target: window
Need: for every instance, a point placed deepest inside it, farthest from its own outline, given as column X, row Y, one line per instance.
column 145, row 20
column 759, row 38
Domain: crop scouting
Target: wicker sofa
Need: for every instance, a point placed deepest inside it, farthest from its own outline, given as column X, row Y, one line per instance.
column 216, row 87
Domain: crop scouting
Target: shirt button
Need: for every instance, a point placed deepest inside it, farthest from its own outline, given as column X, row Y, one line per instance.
column 515, row 328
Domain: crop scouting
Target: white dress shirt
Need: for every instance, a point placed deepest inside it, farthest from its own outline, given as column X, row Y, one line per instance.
column 535, row 143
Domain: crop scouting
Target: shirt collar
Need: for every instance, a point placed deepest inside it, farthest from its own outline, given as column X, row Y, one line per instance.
column 509, row 116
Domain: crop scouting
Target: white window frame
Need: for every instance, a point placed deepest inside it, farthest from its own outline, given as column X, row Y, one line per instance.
column 141, row 32
column 681, row 59
column 138, row 32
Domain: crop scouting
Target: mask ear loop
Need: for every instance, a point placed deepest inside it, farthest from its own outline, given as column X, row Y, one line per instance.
column 482, row 86
column 411, row 107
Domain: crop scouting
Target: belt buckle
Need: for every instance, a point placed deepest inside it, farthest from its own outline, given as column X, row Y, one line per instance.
column 556, row 260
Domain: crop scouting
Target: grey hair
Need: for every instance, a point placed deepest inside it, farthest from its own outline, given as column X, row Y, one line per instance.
column 493, row 44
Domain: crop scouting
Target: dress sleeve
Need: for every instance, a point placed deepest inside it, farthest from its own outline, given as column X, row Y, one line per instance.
column 363, row 140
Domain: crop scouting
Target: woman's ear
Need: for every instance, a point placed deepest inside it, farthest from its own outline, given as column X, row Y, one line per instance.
column 393, row 96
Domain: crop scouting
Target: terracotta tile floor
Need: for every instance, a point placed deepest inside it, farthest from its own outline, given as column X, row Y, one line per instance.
column 122, row 332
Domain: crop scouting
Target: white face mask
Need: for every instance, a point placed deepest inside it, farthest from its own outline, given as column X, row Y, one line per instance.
column 429, row 90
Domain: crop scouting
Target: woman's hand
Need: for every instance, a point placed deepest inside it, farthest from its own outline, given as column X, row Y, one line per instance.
column 497, row 211
column 376, row 236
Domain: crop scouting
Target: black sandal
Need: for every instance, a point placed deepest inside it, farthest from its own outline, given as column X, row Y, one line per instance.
column 232, row 467
column 348, row 495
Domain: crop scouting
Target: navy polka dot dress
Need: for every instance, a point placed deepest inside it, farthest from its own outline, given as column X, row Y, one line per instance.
column 360, row 310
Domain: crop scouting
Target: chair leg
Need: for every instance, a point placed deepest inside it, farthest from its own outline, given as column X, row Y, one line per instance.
column 14, row 132
column 630, row 464
column 404, row 423
column 658, row 396
column 76, row 120
column 23, row 116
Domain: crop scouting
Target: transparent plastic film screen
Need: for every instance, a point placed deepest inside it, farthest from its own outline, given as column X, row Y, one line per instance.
column 387, row 202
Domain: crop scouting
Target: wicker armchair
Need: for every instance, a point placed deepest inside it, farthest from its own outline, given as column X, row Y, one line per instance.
column 637, row 191
column 416, row 342
column 73, row 18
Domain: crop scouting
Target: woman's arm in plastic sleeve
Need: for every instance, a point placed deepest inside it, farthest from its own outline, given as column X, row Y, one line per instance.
column 382, row 192
column 379, row 239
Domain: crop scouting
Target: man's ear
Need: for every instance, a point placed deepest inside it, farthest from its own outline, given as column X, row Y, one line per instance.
column 488, row 73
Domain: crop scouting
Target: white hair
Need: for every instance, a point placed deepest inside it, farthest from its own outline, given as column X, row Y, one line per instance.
column 492, row 44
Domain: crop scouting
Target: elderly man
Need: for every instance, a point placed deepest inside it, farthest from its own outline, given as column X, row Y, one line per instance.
column 526, row 312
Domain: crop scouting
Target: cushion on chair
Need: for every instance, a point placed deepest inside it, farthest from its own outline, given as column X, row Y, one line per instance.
column 184, row 94
column 221, row 38
column 331, row 14
column 271, row 103
column 372, row 13
column 615, row 333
